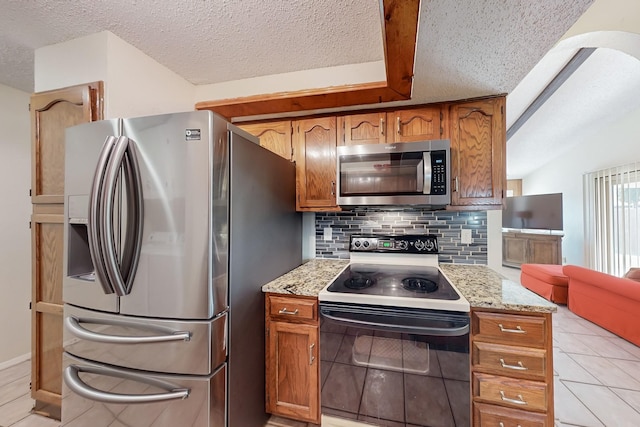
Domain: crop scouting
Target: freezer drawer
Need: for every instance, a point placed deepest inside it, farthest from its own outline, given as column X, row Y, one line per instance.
column 97, row 395
column 156, row 345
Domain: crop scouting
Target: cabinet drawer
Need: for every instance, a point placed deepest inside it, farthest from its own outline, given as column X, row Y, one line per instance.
column 292, row 309
column 510, row 329
column 512, row 392
column 519, row 362
column 497, row 416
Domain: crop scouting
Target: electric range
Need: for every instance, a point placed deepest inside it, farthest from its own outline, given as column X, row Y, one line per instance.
column 395, row 271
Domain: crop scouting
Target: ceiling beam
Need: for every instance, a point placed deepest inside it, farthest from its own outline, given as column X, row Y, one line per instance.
column 566, row 72
column 400, row 31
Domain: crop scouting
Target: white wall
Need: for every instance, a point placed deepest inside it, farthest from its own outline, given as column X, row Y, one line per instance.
column 135, row 84
column 15, row 236
column 617, row 144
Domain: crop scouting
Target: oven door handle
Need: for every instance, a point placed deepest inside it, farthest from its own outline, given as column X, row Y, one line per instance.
column 366, row 321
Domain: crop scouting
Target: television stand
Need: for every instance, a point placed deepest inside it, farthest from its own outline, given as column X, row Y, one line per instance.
column 521, row 247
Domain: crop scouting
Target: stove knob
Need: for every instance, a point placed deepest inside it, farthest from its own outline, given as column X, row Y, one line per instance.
column 402, row 244
column 419, row 245
column 429, row 245
column 357, row 244
column 365, row 244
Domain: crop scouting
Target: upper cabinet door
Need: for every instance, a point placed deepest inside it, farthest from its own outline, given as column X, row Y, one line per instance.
column 478, row 153
column 315, row 156
column 274, row 136
column 362, row 129
column 419, row 124
column 51, row 113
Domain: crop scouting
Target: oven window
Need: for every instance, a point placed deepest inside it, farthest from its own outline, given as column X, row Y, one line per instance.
column 384, row 173
column 393, row 379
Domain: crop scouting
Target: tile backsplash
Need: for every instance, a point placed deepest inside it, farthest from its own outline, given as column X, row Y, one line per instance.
column 447, row 225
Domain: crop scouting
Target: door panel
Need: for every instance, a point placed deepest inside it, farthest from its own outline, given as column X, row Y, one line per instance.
column 51, row 113
column 84, row 143
column 182, row 270
column 196, row 347
column 205, row 405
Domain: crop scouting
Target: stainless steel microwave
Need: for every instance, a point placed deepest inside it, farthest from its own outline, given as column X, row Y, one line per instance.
column 413, row 173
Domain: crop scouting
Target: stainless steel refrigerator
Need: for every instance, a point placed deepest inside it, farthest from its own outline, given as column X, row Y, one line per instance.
column 172, row 224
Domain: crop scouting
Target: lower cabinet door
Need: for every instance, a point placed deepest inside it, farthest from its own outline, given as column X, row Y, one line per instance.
column 99, row 395
column 292, row 371
column 492, row 415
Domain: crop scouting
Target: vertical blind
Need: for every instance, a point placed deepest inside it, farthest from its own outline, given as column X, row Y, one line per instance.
column 612, row 218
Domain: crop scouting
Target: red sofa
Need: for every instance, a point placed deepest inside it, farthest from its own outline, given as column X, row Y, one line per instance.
column 609, row 301
column 546, row 280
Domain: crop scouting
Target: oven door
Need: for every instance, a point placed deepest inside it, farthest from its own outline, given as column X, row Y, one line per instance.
column 394, row 174
column 395, row 366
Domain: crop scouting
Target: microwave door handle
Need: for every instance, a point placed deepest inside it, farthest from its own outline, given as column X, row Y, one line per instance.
column 94, row 230
column 427, row 173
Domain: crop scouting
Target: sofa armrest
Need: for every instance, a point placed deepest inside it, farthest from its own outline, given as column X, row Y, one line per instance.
column 621, row 286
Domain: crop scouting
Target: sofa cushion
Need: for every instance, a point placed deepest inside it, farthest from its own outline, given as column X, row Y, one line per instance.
column 633, row 274
column 548, row 273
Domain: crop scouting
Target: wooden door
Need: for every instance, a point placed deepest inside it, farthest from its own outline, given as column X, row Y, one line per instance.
column 292, row 371
column 46, row 307
column 274, row 136
column 419, row 124
column 362, row 129
column 478, row 153
column 51, row 113
column 315, row 156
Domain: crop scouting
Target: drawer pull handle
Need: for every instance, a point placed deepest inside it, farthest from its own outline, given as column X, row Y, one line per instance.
column 285, row 311
column 502, row 424
column 517, row 330
column 518, row 367
column 311, row 358
column 518, row 401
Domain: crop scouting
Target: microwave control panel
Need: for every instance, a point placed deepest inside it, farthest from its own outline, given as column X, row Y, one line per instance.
column 438, row 172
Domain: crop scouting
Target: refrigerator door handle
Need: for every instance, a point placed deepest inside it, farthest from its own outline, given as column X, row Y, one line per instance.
column 73, row 381
column 106, row 213
column 135, row 215
column 72, row 324
column 95, row 207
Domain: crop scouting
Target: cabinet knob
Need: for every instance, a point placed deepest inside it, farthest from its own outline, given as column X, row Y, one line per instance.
column 311, row 357
column 519, row 401
column 517, row 330
column 518, row 367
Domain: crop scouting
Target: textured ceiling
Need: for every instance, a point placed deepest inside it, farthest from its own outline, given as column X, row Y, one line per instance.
column 203, row 41
column 465, row 48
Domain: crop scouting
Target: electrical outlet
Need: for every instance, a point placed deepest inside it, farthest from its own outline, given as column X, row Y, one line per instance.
column 328, row 233
column 465, row 237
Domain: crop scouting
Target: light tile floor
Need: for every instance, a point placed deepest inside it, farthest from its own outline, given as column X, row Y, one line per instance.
column 597, row 379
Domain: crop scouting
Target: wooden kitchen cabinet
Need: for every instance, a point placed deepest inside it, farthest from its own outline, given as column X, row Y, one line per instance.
column 531, row 248
column 418, row 124
column 478, row 157
column 292, row 357
column 315, row 156
column 274, row 136
column 51, row 113
column 368, row 128
column 511, row 368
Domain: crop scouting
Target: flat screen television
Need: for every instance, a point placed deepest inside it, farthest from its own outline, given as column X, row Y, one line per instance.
column 535, row 212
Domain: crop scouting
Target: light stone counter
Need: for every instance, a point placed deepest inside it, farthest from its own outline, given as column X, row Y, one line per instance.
column 484, row 288
column 308, row 279
column 480, row 285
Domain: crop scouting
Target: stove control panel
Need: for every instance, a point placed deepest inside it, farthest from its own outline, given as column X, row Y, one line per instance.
column 411, row 244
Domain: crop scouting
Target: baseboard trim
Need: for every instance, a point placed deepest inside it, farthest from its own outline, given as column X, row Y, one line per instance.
column 11, row 362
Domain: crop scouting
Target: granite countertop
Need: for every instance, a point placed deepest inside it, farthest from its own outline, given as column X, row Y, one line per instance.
column 480, row 285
